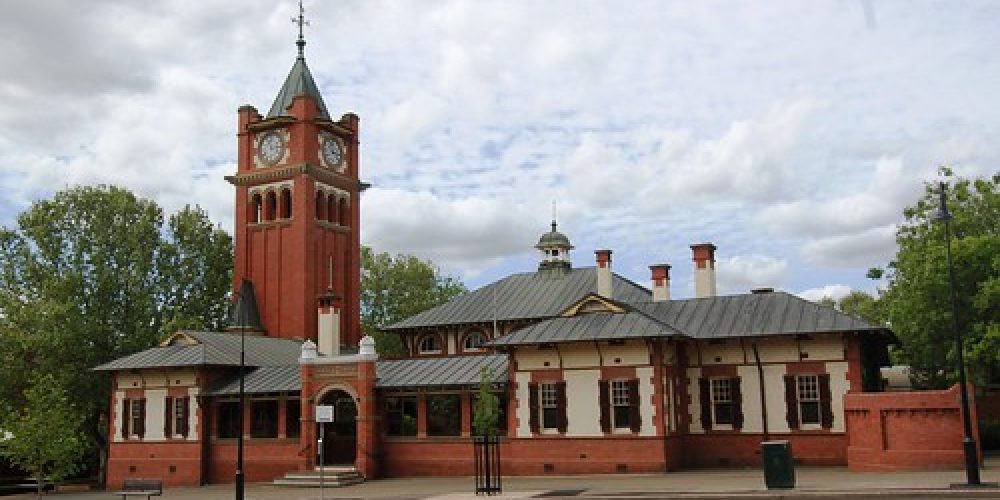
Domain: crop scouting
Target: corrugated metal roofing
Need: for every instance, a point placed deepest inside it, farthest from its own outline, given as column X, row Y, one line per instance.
column 215, row 349
column 773, row 313
column 446, row 371
column 522, row 296
column 299, row 82
column 588, row 326
column 265, row 379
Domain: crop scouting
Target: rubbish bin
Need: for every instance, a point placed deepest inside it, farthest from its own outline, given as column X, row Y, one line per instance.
column 779, row 470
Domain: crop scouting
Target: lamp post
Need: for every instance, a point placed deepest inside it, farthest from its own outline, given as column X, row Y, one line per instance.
column 968, row 444
column 241, row 313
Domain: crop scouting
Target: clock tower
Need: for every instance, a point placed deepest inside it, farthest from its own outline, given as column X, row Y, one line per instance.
column 297, row 214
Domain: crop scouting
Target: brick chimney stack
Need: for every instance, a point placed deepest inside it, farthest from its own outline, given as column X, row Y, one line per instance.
column 603, row 273
column 703, row 255
column 661, row 282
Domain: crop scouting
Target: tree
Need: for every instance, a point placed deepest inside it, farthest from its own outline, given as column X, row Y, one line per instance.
column 91, row 275
column 486, row 414
column 46, row 440
column 916, row 301
column 395, row 288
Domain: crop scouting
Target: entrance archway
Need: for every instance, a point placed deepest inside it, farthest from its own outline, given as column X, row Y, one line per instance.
column 340, row 441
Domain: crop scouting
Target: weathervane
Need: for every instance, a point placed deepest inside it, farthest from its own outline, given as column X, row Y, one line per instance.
column 301, row 21
column 553, row 215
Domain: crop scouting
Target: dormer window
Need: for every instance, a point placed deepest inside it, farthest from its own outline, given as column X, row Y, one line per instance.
column 430, row 344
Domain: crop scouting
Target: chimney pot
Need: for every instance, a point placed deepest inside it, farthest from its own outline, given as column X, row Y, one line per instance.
column 703, row 255
column 603, row 273
column 661, row 282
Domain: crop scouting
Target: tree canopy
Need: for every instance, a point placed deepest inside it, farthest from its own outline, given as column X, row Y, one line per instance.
column 916, row 301
column 93, row 274
column 396, row 287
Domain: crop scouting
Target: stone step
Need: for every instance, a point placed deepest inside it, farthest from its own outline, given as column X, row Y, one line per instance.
column 333, row 477
column 316, row 483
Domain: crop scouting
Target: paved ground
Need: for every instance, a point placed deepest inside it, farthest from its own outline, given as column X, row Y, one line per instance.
column 811, row 482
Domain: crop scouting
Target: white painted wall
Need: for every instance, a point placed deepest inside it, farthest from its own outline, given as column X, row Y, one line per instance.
column 579, row 355
column 155, row 406
column 533, row 358
column 583, row 410
column 704, row 281
column 839, row 386
column 523, row 407
column 694, row 409
column 119, row 407
column 632, row 353
column 646, row 403
column 727, row 352
column 451, row 339
column 328, row 328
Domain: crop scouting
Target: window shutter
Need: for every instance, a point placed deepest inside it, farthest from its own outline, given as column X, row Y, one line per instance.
column 126, row 417
column 605, row 402
column 561, row 405
column 825, row 408
column 791, row 402
column 185, row 415
column 533, row 407
column 635, row 418
column 168, row 417
column 737, row 395
column 705, row 393
column 141, row 428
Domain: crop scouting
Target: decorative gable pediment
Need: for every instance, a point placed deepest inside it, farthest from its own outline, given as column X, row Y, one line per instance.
column 591, row 303
column 179, row 338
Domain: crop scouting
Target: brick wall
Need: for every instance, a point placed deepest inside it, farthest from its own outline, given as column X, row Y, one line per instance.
column 177, row 464
column 262, row 461
column 739, row 449
column 914, row 430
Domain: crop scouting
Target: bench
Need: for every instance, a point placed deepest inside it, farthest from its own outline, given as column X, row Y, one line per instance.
column 141, row 488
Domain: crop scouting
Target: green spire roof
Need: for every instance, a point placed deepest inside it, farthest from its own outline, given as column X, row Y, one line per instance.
column 299, row 82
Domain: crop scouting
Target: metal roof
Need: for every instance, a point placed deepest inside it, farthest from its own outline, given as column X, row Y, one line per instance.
column 299, row 82
column 522, row 296
column 754, row 314
column 265, row 379
column 588, row 326
column 444, row 371
column 211, row 348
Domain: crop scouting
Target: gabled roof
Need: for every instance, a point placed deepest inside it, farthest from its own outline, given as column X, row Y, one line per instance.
column 445, row 371
column 210, row 349
column 299, row 82
column 522, row 296
column 588, row 327
column 753, row 314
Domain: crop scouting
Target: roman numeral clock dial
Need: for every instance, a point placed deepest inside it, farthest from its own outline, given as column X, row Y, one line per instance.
column 332, row 151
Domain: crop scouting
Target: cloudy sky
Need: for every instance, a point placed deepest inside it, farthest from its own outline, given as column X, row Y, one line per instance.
column 790, row 134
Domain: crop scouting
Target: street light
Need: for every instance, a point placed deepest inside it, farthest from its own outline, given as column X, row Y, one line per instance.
column 968, row 444
column 245, row 302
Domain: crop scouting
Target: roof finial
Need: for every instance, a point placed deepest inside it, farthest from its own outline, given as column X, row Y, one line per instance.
column 553, row 215
column 301, row 21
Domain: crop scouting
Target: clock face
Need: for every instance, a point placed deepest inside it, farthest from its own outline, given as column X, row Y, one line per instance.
column 333, row 155
column 271, row 148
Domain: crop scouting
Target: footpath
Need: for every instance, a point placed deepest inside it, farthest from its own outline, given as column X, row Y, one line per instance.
column 815, row 483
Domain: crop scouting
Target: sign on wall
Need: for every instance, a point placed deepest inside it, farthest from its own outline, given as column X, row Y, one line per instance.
column 324, row 413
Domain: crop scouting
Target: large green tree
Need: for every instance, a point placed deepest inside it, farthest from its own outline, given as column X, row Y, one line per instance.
column 93, row 274
column 45, row 437
column 396, row 287
column 916, row 301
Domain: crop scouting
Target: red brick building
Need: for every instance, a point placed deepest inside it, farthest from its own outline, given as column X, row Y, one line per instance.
column 595, row 373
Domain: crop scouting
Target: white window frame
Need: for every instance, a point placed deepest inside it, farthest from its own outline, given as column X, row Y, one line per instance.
column 721, row 392
column 135, row 418
column 178, row 416
column 465, row 342
column 548, row 398
column 620, row 398
column 807, row 391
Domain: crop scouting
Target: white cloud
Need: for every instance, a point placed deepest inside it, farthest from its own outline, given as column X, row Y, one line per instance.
column 864, row 249
column 741, row 273
column 835, row 292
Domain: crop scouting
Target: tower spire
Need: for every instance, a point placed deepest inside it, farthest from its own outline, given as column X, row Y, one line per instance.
column 301, row 21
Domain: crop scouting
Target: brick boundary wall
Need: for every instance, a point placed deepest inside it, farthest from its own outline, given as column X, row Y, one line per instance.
column 913, row 430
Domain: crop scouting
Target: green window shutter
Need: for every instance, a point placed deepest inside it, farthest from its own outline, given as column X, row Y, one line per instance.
column 186, row 414
column 126, row 417
column 561, row 404
column 604, row 398
column 705, row 395
column 533, row 408
column 737, row 395
column 791, row 402
column 141, row 428
column 825, row 401
column 168, row 417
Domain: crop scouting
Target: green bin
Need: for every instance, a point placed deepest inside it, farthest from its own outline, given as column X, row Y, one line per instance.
column 779, row 470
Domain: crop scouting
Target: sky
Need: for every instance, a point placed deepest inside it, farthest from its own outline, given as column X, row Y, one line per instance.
column 789, row 134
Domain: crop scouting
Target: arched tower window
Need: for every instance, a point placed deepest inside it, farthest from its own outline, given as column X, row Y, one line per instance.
column 331, row 208
column 272, row 205
column 286, row 204
column 320, row 205
column 254, row 209
column 342, row 208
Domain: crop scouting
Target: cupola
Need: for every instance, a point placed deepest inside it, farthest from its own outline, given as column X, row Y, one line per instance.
column 554, row 247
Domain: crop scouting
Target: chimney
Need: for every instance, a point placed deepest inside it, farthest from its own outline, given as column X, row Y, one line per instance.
column 661, row 282
column 703, row 255
column 603, row 273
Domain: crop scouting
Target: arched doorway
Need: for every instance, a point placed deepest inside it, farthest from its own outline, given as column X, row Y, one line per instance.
column 340, row 438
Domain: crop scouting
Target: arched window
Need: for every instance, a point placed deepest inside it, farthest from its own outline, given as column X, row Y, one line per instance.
column 331, row 209
column 320, row 205
column 254, row 209
column 430, row 344
column 473, row 341
column 343, row 212
column 286, row 204
column 272, row 205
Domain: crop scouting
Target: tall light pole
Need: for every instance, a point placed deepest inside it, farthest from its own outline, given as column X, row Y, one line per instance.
column 968, row 444
column 243, row 303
